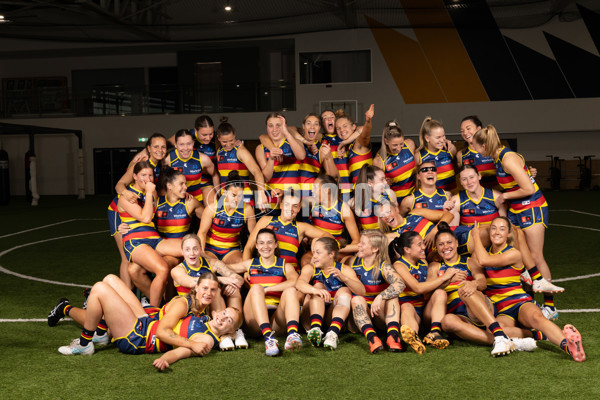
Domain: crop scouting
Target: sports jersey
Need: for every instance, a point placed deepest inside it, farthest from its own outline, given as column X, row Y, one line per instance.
column 400, row 170
column 328, row 219
column 288, row 239
column 285, row 172
column 210, row 151
column 482, row 211
column 485, row 166
column 340, row 163
column 191, row 168
column 509, row 184
column 444, row 163
column 266, row 276
column 371, row 277
column 224, row 233
column 454, row 302
column 172, row 220
column 227, row 161
column 308, row 169
column 203, row 266
column 369, row 216
column 419, row 272
column 331, row 282
column 434, row 201
column 187, row 327
column 357, row 160
column 504, row 284
column 138, row 230
column 414, row 222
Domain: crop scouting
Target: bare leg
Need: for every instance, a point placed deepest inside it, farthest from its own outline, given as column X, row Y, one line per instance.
column 140, row 278
column 124, row 265
column 151, row 261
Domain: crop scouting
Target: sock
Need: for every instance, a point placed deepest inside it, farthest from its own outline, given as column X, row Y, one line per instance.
column 266, row 330
column 67, row 309
column 292, row 327
column 549, row 301
column 538, row 335
column 564, row 347
column 496, row 330
column 436, row 327
column 336, row 325
column 392, row 329
column 86, row 337
column 316, row 321
column 534, row 273
column 368, row 331
column 101, row 328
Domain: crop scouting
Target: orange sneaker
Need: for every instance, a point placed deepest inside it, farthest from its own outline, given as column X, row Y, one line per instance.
column 393, row 344
column 411, row 338
column 376, row 345
column 574, row 343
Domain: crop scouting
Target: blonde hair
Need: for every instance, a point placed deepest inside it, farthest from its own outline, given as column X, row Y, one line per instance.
column 190, row 236
column 488, row 137
column 391, row 130
column 380, row 242
column 426, row 127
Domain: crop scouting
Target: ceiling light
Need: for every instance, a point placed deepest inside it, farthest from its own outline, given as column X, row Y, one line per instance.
column 227, row 8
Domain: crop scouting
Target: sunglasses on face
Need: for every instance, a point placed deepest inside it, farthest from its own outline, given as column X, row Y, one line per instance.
column 428, row 169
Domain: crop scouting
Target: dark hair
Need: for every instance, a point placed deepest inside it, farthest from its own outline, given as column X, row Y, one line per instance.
column 168, row 176
column 399, row 243
column 473, row 118
column 204, row 121
column 154, row 136
column 183, row 132
column 274, row 114
column 331, row 245
column 140, row 165
column 225, row 128
column 269, row 232
column 443, row 227
column 465, row 167
column 365, row 174
column 233, row 180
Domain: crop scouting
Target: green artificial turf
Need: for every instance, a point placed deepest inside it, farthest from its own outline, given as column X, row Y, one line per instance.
column 34, row 369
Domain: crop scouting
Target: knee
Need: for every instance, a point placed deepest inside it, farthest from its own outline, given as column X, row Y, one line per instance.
column 449, row 323
column 110, row 278
column 289, row 293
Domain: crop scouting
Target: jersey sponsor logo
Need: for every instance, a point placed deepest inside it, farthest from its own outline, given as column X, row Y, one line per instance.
column 468, row 161
column 525, row 219
column 421, row 205
column 161, row 214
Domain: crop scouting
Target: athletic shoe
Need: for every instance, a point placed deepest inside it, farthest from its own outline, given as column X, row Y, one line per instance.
column 145, row 302
column 393, row 344
column 502, row 346
column 526, row 278
column 375, row 346
column 331, row 340
column 271, row 348
column 57, row 313
column 75, row 348
column 86, row 294
column 550, row 313
column 574, row 343
column 436, row 340
column 293, row 341
column 226, row 344
column 411, row 338
column 315, row 336
column 101, row 340
column 543, row 286
column 524, row 344
column 240, row 340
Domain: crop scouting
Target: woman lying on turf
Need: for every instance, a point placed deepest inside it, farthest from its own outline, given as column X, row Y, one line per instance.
column 272, row 283
column 502, row 265
column 134, row 331
column 328, row 286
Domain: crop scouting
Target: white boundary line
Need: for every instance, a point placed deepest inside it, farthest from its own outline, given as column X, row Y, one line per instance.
column 576, row 227
column 578, row 212
column 575, row 278
column 33, row 278
column 46, row 226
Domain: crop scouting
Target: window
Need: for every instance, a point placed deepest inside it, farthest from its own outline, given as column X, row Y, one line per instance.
column 335, row 67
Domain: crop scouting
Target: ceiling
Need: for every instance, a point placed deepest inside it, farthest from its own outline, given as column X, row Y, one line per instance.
column 135, row 21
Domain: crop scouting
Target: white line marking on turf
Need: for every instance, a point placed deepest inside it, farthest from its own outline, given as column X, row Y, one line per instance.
column 576, row 227
column 578, row 212
column 46, row 226
column 33, row 278
column 574, row 278
column 32, row 319
column 583, row 310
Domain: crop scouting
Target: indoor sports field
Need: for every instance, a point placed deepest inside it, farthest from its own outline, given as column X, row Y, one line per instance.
column 63, row 245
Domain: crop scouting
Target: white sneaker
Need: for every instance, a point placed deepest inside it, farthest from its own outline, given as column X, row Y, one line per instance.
column 502, row 346
column 145, row 302
column 543, row 286
column 331, row 340
column 551, row 313
column 293, row 341
column 315, row 336
column 524, row 344
column 226, row 343
column 101, row 340
column 240, row 340
column 75, row 348
column 271, row 348
column 526, row 278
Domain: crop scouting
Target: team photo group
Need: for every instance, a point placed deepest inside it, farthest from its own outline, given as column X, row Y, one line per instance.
column 317, row 234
